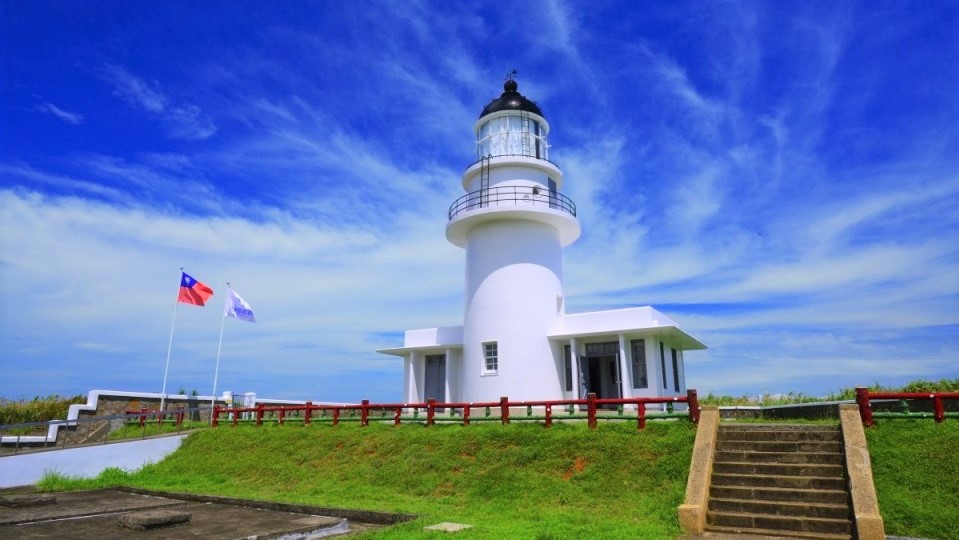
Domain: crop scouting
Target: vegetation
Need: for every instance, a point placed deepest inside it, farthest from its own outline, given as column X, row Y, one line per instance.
column 916, row 473
column 38, row 409
column 521, row 480
column 515, row 481
column 133, row 429
column 766, row 399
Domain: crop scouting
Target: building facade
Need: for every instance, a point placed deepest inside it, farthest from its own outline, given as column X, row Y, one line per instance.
column 517, row 339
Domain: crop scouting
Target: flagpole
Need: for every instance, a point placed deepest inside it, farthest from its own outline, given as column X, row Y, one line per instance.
column 216, row 372
column 169, row 348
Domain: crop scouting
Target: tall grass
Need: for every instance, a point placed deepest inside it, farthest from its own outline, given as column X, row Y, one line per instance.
column 38, row 409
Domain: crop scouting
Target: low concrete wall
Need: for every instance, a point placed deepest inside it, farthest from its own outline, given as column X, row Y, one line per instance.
column 692, row 513
column 865, row 503
column 85, row 461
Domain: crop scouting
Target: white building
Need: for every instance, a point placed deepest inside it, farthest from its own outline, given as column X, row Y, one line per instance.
column 517, row 339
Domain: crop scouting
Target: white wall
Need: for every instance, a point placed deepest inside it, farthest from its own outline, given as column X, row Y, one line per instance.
column 85, row 461
column 513, row 278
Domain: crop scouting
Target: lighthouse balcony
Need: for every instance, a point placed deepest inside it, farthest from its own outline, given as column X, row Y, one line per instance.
column 513, row 202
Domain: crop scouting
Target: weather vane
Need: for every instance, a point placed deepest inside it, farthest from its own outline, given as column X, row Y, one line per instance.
column 510, row 75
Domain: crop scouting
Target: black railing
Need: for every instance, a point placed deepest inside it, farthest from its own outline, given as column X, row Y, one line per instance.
column 512, row 196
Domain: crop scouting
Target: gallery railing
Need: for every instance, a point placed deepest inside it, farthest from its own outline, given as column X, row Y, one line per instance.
column 513, row 196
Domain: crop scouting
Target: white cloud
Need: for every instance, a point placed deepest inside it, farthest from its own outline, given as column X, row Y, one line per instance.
column 182, row 120
column 67, row 116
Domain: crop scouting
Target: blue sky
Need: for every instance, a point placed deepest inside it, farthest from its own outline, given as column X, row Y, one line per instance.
column 781, row 178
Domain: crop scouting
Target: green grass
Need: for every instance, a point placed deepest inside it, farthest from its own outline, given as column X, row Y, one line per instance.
column 516, row 481
column 915, row 467
column 521, row 480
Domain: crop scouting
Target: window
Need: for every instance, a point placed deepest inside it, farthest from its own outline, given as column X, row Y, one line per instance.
column 516, row 135
column 675, row 371
column 491, row 353
column 639, row 364
column 662, row 362
column 609, row 348
column 568, row 360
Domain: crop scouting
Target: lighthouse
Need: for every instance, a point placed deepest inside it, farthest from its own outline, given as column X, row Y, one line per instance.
column 513, row 223
column 516, row 339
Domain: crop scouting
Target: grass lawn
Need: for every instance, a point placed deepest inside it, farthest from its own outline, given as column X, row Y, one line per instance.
column 915, row 466
column 515, row 481
column 521, row 480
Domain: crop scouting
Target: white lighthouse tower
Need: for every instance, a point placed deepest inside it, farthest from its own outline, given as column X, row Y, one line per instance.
column 516, row 339
column 513, row 223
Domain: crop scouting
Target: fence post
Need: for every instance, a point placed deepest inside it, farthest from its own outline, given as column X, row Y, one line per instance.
column 236, row 417
column 466, row 414
column 396, row 416
column 281, row 416
column 306, row 413
column 641, row 415
column 179, row 418
column 336, row 416
column 549, row 414
column 215, row 416
column 938, row 408
column 259, row 415
column 865, row 409
column 591, row 410
column 365, row 412
column 504, row 409
column 692, row 402
column 430, row 411
column 143, row 417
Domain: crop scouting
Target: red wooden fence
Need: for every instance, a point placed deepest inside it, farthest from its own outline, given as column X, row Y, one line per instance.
column 591, row 402
column 864, row 396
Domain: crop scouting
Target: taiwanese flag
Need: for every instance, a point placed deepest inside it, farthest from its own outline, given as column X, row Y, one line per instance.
column 193, row 292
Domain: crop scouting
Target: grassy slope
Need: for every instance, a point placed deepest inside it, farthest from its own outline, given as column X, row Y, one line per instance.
column 517, row 481
column 523, row 481
column 916, row 470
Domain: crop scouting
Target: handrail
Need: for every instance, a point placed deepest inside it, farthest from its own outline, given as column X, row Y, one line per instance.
column 864, row 396
column 68, row 433
column 515, row 196
column 431, row 406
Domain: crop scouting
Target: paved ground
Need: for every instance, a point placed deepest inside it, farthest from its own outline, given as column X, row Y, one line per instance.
column 95, row 515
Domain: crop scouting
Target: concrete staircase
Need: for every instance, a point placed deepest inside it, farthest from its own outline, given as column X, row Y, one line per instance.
column 785, row 480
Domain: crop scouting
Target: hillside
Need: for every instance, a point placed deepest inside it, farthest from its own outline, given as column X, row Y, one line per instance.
column 521, row 481
column 516, row 481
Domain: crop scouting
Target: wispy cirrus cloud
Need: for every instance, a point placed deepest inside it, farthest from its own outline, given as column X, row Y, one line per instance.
column 181, row 119
column 69, row 117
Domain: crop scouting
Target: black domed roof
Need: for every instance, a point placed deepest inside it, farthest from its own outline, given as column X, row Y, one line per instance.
column 510, row 99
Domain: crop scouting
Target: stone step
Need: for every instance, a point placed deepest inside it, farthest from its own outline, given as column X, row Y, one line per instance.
column 779, row 446
column 779, row 427
column 766, row 435
column 767, row 533
column 825, row 458
column 779, row 523
column 780, row 508
column 779, row 481
column 831, row 496
column 779, row 469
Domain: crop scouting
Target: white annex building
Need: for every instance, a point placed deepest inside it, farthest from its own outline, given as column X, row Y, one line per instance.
column 517, row 339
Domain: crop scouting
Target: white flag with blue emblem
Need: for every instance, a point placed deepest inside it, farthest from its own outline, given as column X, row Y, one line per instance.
column 237, row 307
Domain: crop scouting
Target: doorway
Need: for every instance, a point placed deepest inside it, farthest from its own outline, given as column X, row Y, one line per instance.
column 601, row 376
column 435, row 379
